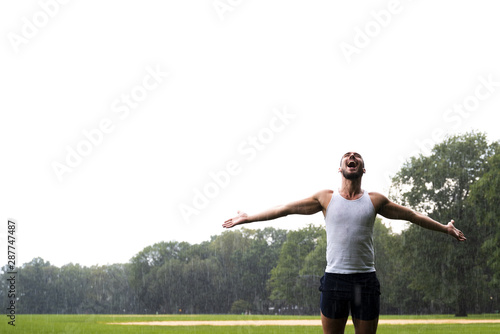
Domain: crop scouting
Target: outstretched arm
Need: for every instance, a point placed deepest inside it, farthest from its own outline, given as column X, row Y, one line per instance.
column 306, row 206
column 392, row 210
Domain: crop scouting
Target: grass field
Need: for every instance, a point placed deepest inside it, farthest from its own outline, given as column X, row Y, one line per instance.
column 100, row 324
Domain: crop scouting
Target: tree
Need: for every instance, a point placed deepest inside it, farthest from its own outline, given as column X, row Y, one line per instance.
column 286, row 284
column 71, row 281
column 37, row 291
column 255, row 263
column 227, row 249
column 485, row 199
column 241, row 306
column 245, row 258
column 388, row 263
column 144, row 267
column 311, row 271
column 439, row 185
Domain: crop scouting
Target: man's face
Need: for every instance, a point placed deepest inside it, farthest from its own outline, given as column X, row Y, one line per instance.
column 352, row 165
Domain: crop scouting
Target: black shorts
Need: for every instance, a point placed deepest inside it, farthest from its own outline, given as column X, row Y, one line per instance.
column 359, row 293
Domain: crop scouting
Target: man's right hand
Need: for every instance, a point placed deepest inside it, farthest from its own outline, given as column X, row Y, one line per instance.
column 241, row 218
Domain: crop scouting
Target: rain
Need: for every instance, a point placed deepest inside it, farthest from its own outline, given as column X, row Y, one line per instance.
column 137, row 136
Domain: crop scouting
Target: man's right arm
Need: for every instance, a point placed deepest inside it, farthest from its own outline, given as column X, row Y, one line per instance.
column 307, row 206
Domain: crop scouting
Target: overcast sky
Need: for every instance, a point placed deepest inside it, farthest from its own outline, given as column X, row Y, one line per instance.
column 127, row 123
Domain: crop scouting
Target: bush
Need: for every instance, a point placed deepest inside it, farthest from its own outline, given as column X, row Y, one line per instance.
column 241, row 306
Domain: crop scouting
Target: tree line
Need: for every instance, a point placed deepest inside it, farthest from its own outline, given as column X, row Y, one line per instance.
column 275, row 271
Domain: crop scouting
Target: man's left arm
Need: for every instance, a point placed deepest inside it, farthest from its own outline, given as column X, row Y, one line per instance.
column 391, row 210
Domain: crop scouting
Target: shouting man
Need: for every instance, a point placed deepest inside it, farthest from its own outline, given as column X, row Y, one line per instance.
column 349, row 282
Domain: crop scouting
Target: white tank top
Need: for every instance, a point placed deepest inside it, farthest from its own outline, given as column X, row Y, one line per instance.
column 349, row 235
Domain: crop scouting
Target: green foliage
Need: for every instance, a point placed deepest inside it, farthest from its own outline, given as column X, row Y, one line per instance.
column 440, row 269
column 271, row 269
column 485, row 199
column 288, row 282
column 388, row 263
column 241, row 307
column 440, row 183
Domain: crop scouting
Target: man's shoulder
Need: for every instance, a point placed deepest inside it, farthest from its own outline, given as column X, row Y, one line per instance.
column 324, row 196
column 378, row 200
column 375, row 194
column 324, row 192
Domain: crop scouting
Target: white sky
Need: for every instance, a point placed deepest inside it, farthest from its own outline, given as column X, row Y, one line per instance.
column 69, row 68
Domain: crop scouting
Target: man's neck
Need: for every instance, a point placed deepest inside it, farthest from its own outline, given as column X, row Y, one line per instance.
column 350, row 189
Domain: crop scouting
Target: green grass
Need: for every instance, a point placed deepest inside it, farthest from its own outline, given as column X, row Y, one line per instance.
column 98, row 324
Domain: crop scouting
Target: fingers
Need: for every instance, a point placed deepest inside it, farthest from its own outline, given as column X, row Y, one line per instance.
column 460, row 234
column 456, row 232
column 239, row 219
column 228, row 223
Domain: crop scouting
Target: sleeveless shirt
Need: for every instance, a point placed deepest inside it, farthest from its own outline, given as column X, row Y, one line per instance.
column 349, row 229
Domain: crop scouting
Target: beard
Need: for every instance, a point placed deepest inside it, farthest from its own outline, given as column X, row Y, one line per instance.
column 352, row 176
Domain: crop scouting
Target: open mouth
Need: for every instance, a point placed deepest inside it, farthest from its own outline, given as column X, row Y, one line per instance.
column 351, row 164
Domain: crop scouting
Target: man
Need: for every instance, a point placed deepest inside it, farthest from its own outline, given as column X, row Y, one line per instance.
column 349, row 283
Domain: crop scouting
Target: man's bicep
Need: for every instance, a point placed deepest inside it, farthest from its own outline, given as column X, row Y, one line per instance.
column 392, row 210
column 307, row 206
